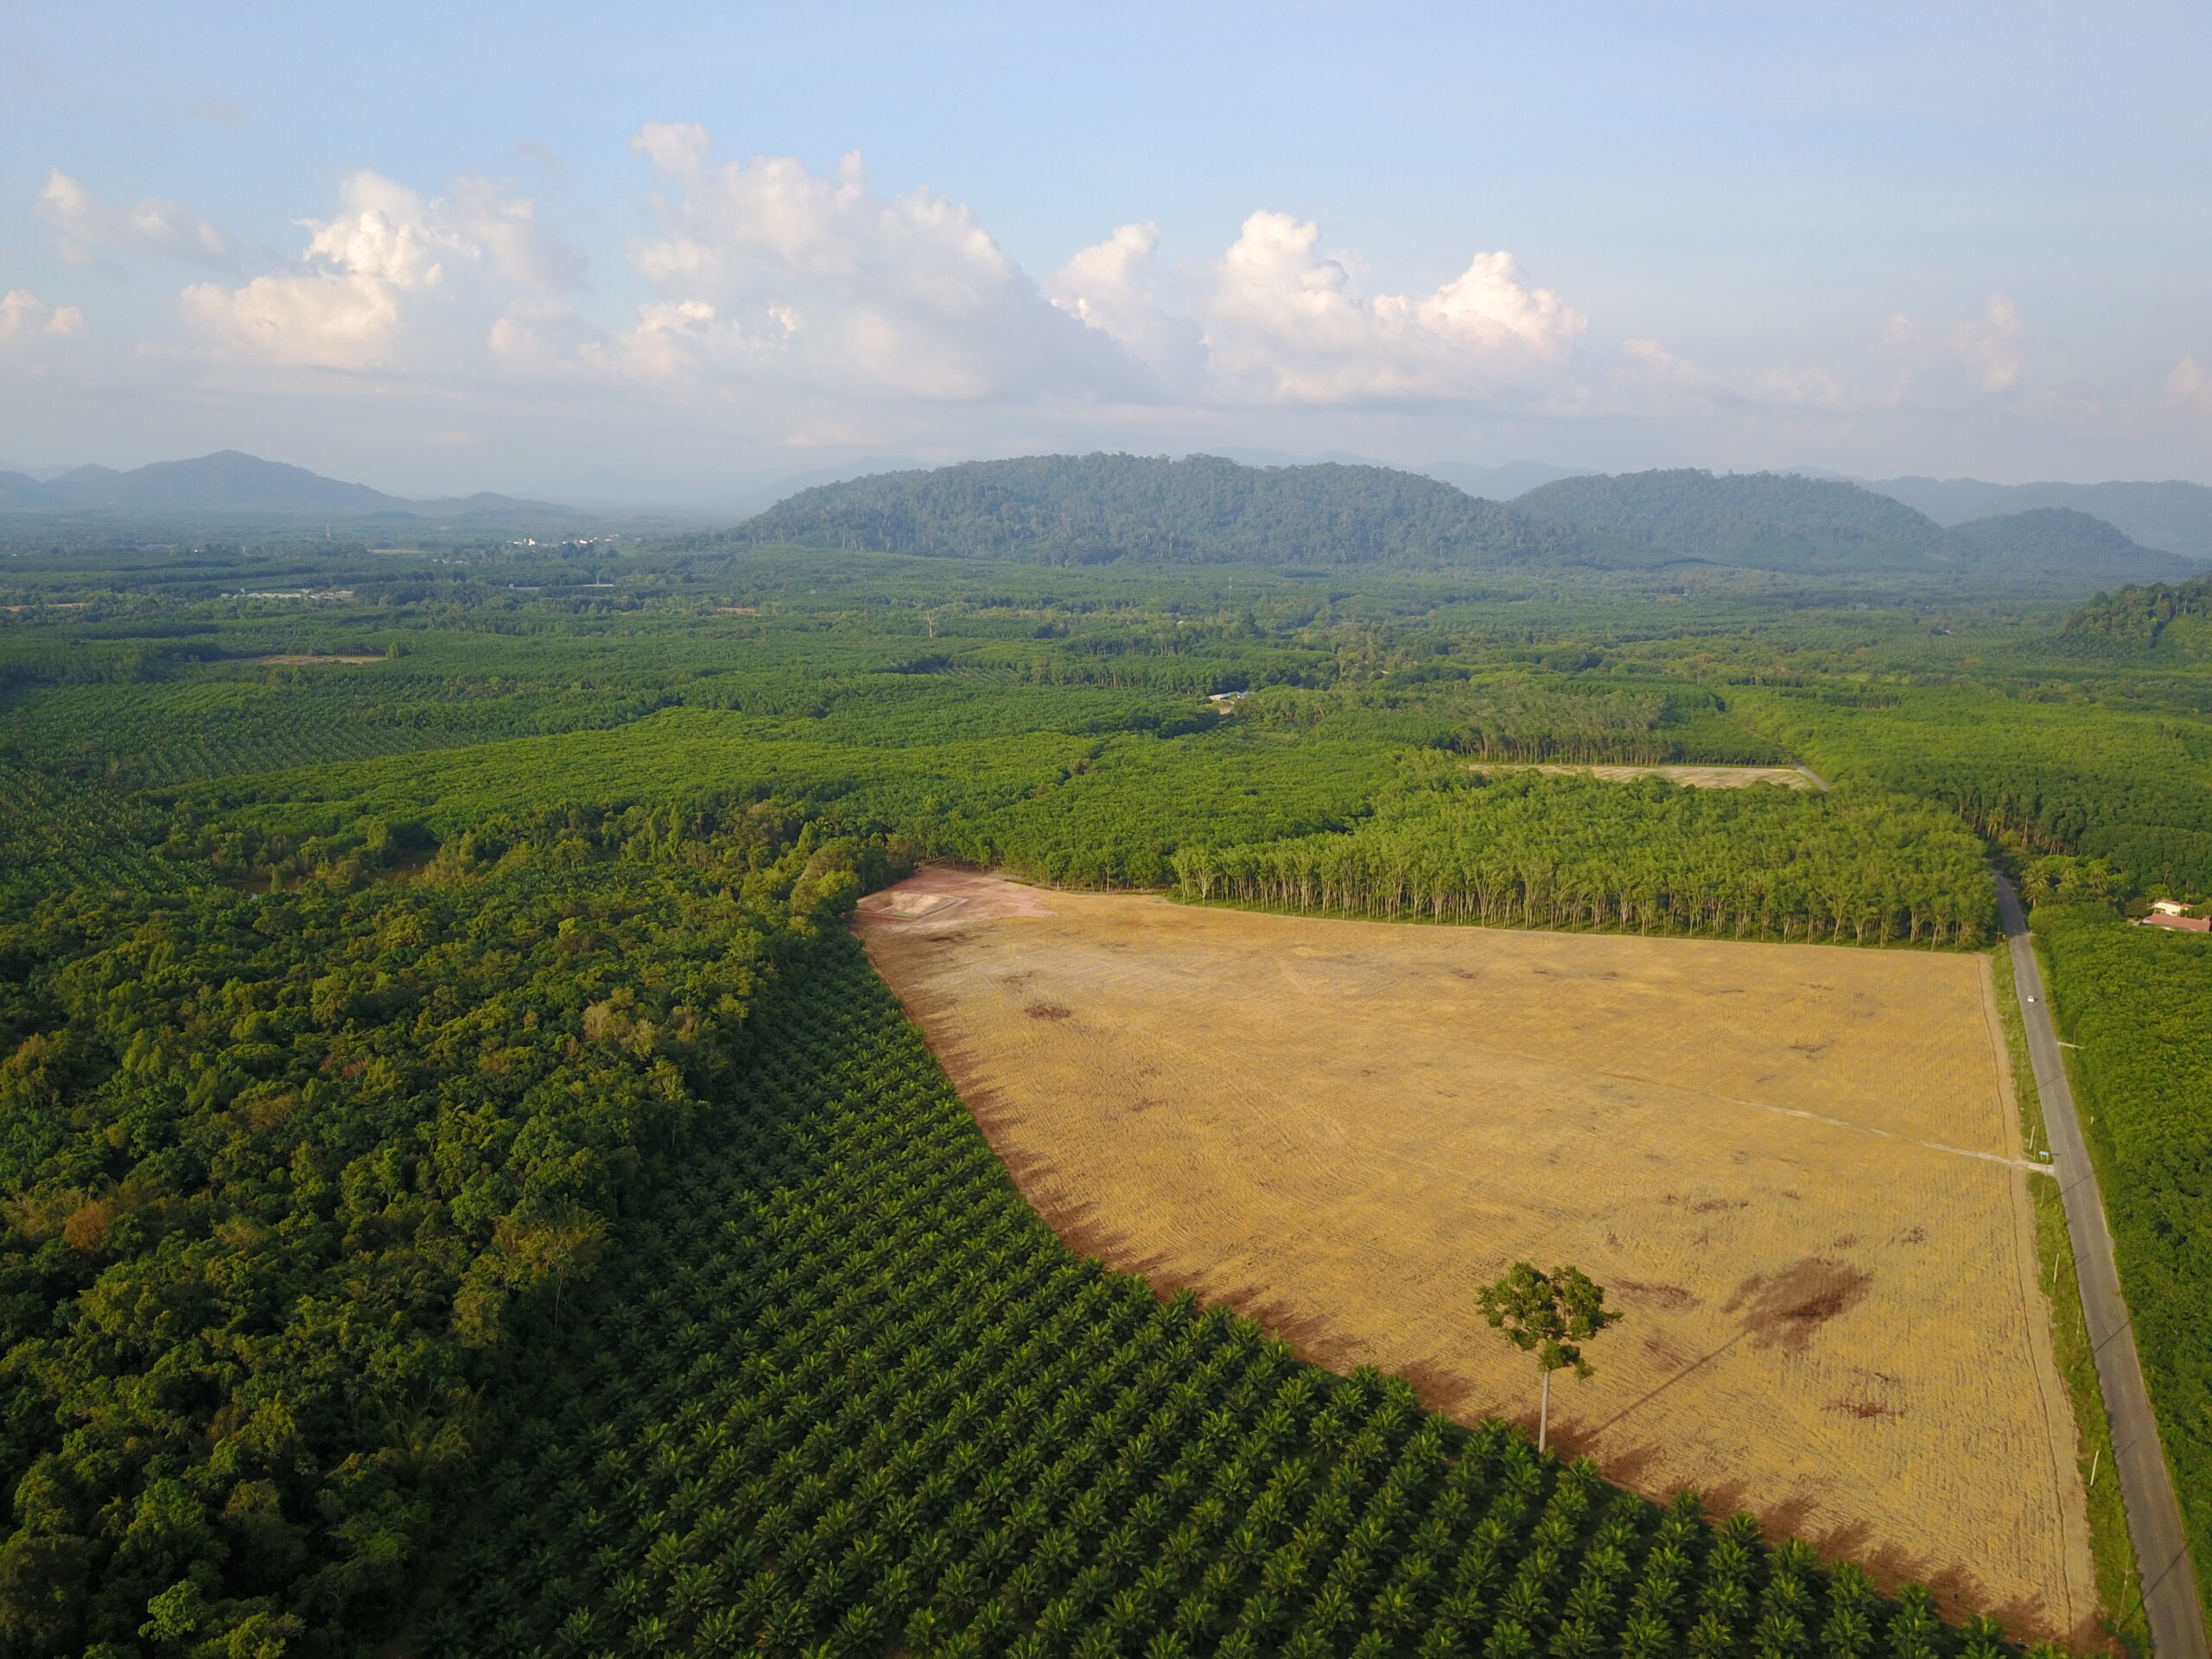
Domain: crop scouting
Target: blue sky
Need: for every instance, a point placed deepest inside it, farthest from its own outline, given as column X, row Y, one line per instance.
column 619, row 253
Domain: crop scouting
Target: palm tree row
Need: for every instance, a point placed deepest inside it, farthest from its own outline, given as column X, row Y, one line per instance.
column 1540, row 851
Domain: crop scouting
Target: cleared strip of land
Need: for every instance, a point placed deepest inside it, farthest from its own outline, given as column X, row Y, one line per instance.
column 1696, row 777
column 298, row 660
column 1797, row 1167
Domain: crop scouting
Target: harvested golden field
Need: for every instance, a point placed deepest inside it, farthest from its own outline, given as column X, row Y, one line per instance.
column 1794, row 1166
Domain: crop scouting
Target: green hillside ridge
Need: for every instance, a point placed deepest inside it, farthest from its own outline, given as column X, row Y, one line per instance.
column 1767, row 520
column 1094, row 509
column 1099, row 509
column 1790, row 523
column 2172, row 516
column 2063, row 539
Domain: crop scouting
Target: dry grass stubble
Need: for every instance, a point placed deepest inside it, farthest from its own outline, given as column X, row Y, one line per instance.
column 1795, row 1166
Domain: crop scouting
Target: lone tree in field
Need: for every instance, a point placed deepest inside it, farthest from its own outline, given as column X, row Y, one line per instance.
column 1549, row 1316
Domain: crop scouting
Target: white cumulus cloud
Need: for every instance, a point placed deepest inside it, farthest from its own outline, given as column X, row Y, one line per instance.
column 393, row 278
column 148, row 227
column 24, row 316
column 1986, row 355
column 1994, row 346
column 1808, row 386
column 840, row 299
column 2189, row 387
column 1275, row 320
column 35, row 341
column 1115, row 287
column 768, row 271
column 1283, row 325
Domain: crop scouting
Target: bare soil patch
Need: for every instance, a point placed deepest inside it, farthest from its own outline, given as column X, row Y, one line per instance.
column 299, row 661
column 1796, row 1167
column 1696, row 777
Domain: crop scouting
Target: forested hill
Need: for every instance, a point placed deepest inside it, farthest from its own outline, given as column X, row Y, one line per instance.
column 2141, row 615
column 1201, row 510
column 2060, row 538
column 1767, row 520
column 1785, row 522
column 2175, row 516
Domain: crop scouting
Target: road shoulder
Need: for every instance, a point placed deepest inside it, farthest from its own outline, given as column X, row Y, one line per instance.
column 2118, row 1616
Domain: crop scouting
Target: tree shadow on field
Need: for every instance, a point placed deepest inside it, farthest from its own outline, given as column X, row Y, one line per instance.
column 1690, row 1370
column 1307, row 1334
column 1958, row 1592
column 1785, row 1309
column 1629, row 1466
column 1959, row 1595
column 1626, row 1465
column 1442, row 1390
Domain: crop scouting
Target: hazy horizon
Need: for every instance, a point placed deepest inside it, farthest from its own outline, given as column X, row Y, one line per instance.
column 745, row 496
column 676, row 263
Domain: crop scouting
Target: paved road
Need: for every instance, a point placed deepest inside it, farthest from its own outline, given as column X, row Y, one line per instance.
column 2170, row 1599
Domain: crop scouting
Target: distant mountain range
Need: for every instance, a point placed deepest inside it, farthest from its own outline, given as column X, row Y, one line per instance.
column 2174, row 515
column 758, row 498
column 1500, row 483
column 229, row 482
column 1203, row 509
column 1089, row 509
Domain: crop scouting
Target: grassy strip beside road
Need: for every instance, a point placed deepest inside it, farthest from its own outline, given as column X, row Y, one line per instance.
column 2120, row 1594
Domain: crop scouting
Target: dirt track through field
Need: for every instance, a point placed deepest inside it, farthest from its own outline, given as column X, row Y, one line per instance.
column 1796, row 1167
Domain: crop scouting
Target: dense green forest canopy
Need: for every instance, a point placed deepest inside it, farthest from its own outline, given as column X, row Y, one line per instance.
column 462, row 1193
column 2140, row 615
column 2041, row 777
column 1521, row 847
column 300, row 1167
